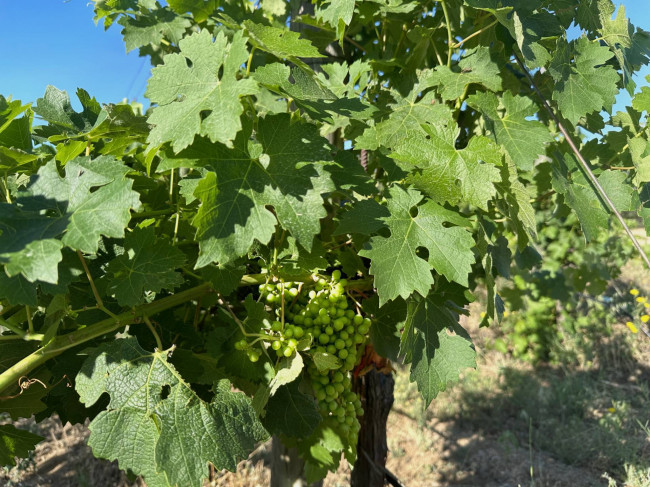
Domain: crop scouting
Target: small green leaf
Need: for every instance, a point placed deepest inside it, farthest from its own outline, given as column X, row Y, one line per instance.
column 15, row 443
column 148, row 264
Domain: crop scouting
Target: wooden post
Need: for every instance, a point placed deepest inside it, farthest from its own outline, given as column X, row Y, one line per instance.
column 375, row 388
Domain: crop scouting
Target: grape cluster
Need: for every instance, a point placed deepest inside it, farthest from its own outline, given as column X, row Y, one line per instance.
column 323, row 321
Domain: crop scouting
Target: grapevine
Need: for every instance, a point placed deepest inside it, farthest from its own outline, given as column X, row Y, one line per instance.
column 317, row 190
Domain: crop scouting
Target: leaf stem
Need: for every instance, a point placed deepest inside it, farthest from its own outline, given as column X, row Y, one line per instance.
column 100, row 303
column 249, row 62
column 592, row 178
column 483, row 29
column 450, row 38
column 147, row 322
column 11, row 327
column 148, row 214
column 30, row 323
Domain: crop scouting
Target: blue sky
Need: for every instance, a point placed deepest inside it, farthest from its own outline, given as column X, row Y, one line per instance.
column 56, row 42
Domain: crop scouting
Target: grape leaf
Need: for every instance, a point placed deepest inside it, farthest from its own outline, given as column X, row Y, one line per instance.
column 93, row 199
column 63, row 120
column 200, row 9
column 224, row 278
column 523, row 139
column 14, row 443
column 395, row 264
column 291, row 413
column 387, row 324
column 517, row 204
column 288, row 176
column 161, row 23
column 326, row 361
column 155, row 425
column 445, row 173
column 405, row 115
column 475, row 67
column 15, row 135
column 365, row 217
column 528, row 25
column 308, row 94
column 579, row 194
column 148, row 264
column 282, row 43
column 438, row 357
column 197, row 100
column 17, row 290
column 583, row 83
column 338, row 14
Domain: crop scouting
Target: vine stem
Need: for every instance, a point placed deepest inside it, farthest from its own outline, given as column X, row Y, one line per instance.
column 482, row 29
column 64, row 342
column 450, row 38
column 583, row 163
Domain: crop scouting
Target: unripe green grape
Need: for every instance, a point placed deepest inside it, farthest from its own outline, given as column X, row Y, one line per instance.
column 322, row 312
column 253, row 356
column 293, row 292
column 332, row 405
column 271, row 298
column 287, row 352
column 359, row 338
column 340, row 344
column 276, row 345
column 324, row 338
column 339, row 388
column 288, row 332
column 321, row 395
column 364, row 329
column 358, row 320
column 329, row 330
column 309, row 321
column 276, row 326
column 324, row 380
column 336, row 275
column 299, row 319
column 298, row 332
column 343, row 354
column 344, row 335
column 325, row 320
column 337, row 377
column 349, row 342
column 331, row 349
column 343, row 282
column 330, row 390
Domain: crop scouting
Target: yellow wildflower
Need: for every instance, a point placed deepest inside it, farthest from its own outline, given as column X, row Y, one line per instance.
column 647, row 305
column 505, row 314
column 483, row 314
column 611, row 410
column 645, row 318
column 632, row 327
column 641, row 299
column 634, row 292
